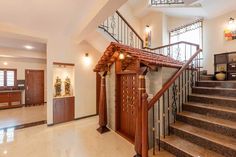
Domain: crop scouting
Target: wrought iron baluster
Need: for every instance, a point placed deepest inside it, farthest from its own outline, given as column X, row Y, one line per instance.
column 153, row 130
column 168, row 102
column 164, row 116
column 179, row 94
column 174, row 104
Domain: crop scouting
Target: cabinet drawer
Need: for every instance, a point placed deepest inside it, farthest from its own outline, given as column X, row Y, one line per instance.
column 232, row 76
column 232, row 67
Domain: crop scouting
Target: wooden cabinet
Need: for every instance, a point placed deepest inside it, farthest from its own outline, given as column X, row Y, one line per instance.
column 10, row 99
column 63, row 109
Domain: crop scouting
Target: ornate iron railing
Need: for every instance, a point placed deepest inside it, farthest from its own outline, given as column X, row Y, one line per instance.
column 121, row 31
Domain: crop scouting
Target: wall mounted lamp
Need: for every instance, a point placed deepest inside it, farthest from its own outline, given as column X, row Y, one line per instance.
column 87, row 59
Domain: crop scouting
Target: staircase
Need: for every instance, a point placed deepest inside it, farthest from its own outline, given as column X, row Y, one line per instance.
column 207, row 125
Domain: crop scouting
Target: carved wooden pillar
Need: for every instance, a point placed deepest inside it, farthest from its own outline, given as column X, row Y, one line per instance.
column 138, row 131
column 103, row 106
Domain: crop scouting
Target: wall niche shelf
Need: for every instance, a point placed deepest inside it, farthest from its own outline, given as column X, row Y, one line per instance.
column 226, row 63
column 63, row 95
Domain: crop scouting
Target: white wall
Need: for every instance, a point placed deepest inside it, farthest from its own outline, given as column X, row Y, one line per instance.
column 134, row 21
column 156, row 22
column 213, row 39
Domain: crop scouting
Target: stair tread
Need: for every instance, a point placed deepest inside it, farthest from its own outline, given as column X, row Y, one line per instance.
column 188, row 147
column 218, row 121
column 212, row 106
column 218, row 88
column 209, row 135
column 214, row 96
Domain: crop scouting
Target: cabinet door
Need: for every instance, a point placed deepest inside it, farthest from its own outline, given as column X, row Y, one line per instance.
column 15, row 98
column 4, row 99
column 69, row 108
column 58, row 110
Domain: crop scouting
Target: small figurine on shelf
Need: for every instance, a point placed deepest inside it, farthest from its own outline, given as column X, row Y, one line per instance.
column 67, row 86
column 57, row 86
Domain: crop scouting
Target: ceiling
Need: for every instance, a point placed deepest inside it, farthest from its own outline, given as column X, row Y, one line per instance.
column 208, row 9
column 18, row 44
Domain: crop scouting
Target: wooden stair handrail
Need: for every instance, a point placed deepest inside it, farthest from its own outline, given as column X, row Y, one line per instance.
column 172, row 80
column 122, row 17
column 180, row 42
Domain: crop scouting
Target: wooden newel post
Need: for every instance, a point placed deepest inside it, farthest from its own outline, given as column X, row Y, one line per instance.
column 103, row 106
column 144, row 125
column 138, row 131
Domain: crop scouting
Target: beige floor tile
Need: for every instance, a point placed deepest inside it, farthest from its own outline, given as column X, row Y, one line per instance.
column 18, row 116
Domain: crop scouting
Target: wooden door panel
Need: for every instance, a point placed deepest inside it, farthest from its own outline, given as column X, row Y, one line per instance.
column 34, row 93
column 127, row 107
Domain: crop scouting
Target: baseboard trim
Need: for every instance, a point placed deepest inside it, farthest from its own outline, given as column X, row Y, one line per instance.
column 84, row 117
column 26, row 125
column 80, row 118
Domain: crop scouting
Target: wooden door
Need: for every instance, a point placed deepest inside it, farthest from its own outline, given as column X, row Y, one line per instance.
column 128, row 96
column 34, row 83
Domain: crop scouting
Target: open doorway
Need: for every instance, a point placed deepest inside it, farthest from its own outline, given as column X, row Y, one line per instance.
column 22, row 82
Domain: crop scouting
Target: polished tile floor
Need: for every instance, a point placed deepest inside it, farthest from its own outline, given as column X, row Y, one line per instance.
column 73, row 139
column 23, row 115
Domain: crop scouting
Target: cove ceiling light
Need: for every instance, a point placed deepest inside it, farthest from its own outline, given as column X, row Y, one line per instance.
column 28, row 47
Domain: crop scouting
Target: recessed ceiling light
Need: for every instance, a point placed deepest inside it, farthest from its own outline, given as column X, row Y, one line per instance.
column 5, row 63
column 28, row 47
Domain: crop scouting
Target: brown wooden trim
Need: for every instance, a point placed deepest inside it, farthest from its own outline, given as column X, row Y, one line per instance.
column 85, row 117
column 11, row 107
column 126, row 72
column 80, row 118
column 63, row 64
column 124, row 136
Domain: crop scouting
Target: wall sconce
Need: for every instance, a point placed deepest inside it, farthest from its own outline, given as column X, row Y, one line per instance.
column 148, row 36
column 87, row 59
column 232, row 24
column 121, row 55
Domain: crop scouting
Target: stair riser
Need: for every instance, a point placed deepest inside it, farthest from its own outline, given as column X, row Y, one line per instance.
column 228, row 103
column 177, row 152
column 208, row 126
column 219, row 92
column 221, row 149
column 217, row 84
column 210, row 112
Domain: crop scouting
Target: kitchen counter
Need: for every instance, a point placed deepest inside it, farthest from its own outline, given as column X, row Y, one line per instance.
column 10, row 91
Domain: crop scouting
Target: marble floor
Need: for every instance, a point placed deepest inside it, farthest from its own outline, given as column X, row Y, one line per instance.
column 23, row 115
column 73, row 139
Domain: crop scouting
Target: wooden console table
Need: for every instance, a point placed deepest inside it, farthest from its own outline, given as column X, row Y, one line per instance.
column 10, row 99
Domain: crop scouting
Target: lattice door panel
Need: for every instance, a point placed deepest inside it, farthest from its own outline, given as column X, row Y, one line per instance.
column 128, row 103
